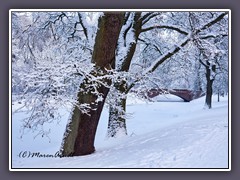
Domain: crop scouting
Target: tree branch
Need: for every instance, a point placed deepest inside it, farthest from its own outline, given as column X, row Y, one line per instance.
column 176, row 49
column 212, row 36
column 127, row 15
column 154, row 45
column 59, row 17
column 182, row 31
column 125, row 33
column 83, row 26
column 203, row 63
column 148, row 16
column 219, row 18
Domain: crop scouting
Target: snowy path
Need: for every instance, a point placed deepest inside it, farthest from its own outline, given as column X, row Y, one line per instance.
column 161, row 135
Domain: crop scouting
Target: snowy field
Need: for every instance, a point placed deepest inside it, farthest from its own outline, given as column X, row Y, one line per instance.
column 162, row 134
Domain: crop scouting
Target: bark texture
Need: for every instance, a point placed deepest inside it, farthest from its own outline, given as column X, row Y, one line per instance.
column 117, row 112
column 117, row 120
column 80, row 132
column 209, row 89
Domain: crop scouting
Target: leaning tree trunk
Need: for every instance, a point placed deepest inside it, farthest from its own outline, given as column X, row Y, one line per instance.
column 80, row 132
column 117, row 119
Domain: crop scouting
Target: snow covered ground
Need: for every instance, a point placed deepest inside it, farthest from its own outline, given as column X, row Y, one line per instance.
column 162, row 134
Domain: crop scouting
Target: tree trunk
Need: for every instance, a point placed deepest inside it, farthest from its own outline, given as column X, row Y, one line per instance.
column 210, row 79
column 117, row 119
column 80, row 132
column 208, row 100
column 117, row 111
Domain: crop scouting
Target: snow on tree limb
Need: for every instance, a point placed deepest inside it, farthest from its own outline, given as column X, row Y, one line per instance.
column 148, row 16
column 175, row 49
column 172, row 27
column 178, row 47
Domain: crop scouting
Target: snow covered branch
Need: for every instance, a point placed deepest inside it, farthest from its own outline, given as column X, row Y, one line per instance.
column 171, row 27
column 191, row 36
column 177, row 48
column 148, row 16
